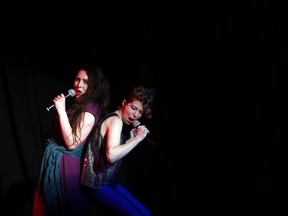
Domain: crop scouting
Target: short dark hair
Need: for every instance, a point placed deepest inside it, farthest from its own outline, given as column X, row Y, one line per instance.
column 145, row 96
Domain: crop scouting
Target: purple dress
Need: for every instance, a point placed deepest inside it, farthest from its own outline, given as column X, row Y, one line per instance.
column 59, row 179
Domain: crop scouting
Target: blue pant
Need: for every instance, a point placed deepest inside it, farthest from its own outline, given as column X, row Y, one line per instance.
column 116, row 200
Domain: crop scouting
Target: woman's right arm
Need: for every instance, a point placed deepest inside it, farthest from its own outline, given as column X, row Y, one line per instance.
column 116, row 151
column 86, row 125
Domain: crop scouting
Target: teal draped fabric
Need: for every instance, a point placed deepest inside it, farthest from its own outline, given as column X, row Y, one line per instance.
column 49, row 182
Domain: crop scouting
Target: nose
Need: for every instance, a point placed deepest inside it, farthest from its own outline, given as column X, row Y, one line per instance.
column 136, row 114
column 80, row 84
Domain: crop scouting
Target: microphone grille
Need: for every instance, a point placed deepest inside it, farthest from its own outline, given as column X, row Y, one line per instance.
column 71, row 92
column 135, row 123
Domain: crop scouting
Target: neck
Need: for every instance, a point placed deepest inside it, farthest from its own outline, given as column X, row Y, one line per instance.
column 119, row 113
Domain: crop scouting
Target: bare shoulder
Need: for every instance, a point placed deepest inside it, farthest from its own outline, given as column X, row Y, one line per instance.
column 88, row 118
column 112, row 122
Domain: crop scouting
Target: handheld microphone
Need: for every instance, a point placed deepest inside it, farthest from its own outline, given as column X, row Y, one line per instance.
column 136, row 124
column 71, row 93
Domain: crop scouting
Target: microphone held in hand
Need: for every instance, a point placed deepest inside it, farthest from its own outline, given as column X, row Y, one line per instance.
column 71, row 93
column 137, row 123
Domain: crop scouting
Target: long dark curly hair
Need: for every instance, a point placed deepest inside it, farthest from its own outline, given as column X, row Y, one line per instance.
column 98, row 92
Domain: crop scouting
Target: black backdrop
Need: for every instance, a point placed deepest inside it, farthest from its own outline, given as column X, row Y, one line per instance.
column 220, row 70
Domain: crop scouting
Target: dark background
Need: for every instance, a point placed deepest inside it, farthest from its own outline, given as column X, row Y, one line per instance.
column 220, row 116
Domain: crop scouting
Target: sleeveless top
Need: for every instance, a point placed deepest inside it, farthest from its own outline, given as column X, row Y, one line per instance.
column 96, row 170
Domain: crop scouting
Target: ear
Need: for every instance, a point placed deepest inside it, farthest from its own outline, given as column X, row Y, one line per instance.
column 124, row 102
